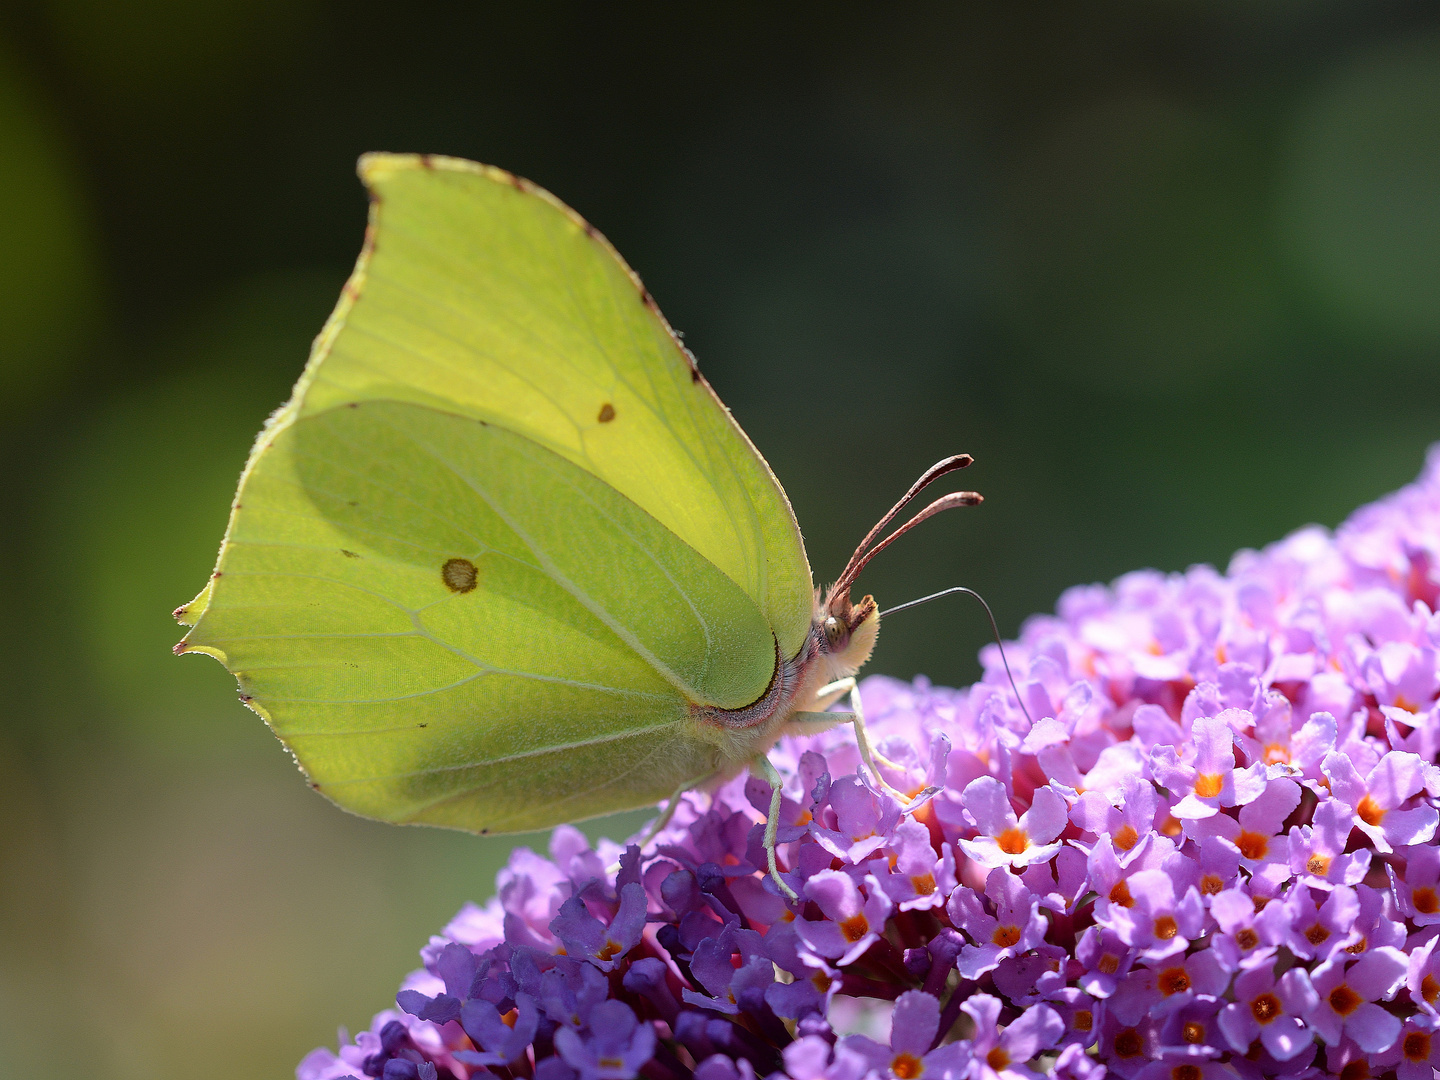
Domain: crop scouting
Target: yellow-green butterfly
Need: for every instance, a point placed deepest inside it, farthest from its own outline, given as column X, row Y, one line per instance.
column 504, row 560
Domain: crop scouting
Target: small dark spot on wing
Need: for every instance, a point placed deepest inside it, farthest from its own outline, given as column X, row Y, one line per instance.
column 352, row 502
column 459, row 575
column 348, row 553
column 426, row 162
column 607, row 413
column 423, row 725
column 352, row 404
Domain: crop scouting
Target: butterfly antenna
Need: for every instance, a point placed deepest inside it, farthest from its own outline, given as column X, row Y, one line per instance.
column 994, row 630
column 939, row 469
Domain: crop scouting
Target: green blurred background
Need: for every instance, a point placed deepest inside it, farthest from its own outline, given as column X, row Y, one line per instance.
column 1170, row 271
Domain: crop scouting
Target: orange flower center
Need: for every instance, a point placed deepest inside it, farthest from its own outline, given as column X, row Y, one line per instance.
column 1429, row 989
column 1247, row 939
column 1253, row 845
column 997, row 1059
column 1369, row 811
column 906, row 1066
column 1083, row 1020
column 1357, row 948
column 611, row 949
column 1344, row 1000
column 1185, row 1072
column 1208, row 784
column 1425, row 901
column 1317, row 934
column 1166, row 927
column 1127, row 1043
column 1120, row 894
column 1318, row 864
column 510, row 1017
column 1193, row 1033
column 1210, row 884
column 855, row 927
column 923, row 884
column 1013, row 841
column 1265, row 1008
column 1358, row 1069
column 1173, row 981
column 1275, row 754
column 1126, row 838
column 1005, row 936
column 1417, row 1046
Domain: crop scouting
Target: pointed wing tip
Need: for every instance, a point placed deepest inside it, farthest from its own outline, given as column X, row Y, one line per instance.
column 373, row 167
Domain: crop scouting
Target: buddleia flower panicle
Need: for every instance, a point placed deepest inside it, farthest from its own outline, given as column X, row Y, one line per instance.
column 1212, row 855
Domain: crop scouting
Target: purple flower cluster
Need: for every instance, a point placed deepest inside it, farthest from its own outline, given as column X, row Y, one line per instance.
column 1212, row 854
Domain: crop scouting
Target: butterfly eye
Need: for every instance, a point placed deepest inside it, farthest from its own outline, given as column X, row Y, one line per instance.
column 834, row 631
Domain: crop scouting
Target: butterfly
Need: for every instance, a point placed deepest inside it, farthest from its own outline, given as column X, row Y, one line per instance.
column 504, row 560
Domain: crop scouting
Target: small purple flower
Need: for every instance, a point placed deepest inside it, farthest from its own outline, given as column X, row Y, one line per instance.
column 1271, row 1012
column 863, row 820
column 1258, row 835
column 1417, row 891
column 503, row 1041
column 1126, row 824
column 1002, row 1054
column 1209, row 780
column 1016, row 927
column 1377, row 800
column 1317, row 851
column 1166, row 985
column 918, row 880
column 1154, row 920
column 853, row 920
column 1422, row 976
column 914, row 1026
column 1316, row 931
column 615, row 1047
column 1004, row 840
column 1415, row 1052
column 1346, row 997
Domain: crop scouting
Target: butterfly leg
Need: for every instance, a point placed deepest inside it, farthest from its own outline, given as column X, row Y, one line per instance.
column 772, row 820
column 833, row 692
column 829, row 694
column 870, row 756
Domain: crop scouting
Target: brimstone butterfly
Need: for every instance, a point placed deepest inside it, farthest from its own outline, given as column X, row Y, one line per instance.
column 504, row 560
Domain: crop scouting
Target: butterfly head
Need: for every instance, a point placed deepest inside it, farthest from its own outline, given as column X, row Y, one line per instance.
column 847, row 631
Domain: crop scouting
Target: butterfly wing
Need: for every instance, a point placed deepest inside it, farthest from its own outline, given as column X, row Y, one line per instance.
column 483, row 295
column 436, row 586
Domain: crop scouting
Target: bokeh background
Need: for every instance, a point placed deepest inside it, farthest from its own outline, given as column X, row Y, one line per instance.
column 1170, row 271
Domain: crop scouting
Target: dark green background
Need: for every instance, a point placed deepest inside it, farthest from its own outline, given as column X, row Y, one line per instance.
column 1170, row 271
